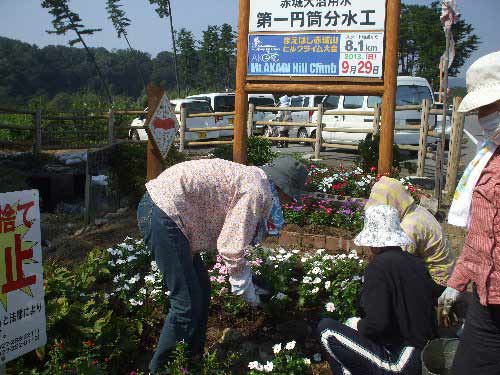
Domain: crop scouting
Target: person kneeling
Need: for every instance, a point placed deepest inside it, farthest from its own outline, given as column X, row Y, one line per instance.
column 398, row 304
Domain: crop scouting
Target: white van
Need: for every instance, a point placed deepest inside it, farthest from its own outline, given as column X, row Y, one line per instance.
column 192, row 107
column 262, row 100
column 220, row 102
column 308, row 101
column 410, row 91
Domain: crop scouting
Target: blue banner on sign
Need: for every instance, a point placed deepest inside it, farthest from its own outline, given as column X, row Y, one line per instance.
column 293, row 55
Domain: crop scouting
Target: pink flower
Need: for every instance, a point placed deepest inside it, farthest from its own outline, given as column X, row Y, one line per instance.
column 217, row 265
column 212, row 278
column 223, row 270
column 221, row 279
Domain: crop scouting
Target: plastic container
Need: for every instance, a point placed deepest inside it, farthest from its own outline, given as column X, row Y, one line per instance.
column 438, row 355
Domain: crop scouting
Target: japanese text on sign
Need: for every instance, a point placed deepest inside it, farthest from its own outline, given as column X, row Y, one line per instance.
column 317, row 15
column 22, row 308
column 348, row 54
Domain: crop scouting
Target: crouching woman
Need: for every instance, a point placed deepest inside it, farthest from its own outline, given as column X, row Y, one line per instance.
column 397, row 301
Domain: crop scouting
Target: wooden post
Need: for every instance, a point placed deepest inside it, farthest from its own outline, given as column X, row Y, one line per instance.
column 457, row 131
column 424, row 131
column 376, row 119
column 88, row 189
column 241, row 101
column 319, row 129
column 390, row 85
column 38, row 131
column 251, row 113
column 182, row 130
column 154, row 162
column 111, row 125
column 437, row 177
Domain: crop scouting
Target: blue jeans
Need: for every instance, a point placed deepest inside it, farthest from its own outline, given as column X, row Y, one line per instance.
column 186, row 278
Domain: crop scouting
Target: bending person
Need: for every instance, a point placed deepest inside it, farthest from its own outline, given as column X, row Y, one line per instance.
column 398, row 303
column 205, row 205
column 429, row 243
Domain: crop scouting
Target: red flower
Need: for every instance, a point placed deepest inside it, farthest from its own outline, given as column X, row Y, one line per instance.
column 94, row 362
column 373, row 169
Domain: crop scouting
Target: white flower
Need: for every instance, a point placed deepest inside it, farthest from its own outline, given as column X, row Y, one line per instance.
column 131, row 258
column 255, row 366
column 317, row 357
column 154, row 266
column 134, row 279
column 330, row 307
column 307, row 361
column 290, row 345
column 277, row 348
column 303, row 259
column 328, row 284
column 134, row 302
column 316, row 270
column 315, row 290
column 126, row 287
column 149, row 278
column 282, row 251
column 120, row 261
column 143, row 291
column 320, row 251
column 280, row 296
column 295, row 251
column 307, row 280
column 268, row 367
column 111, row 263
column 317, row 280
column 356, row 278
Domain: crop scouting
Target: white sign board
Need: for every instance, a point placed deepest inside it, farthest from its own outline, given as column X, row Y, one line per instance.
column 163, row 126
column 22, row 307
column 336, row 38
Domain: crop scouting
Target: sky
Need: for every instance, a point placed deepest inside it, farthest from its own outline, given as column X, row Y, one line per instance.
column 27, row 21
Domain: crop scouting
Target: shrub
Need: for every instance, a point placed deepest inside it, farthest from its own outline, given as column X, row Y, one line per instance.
column 259, row 151
column 369, row 153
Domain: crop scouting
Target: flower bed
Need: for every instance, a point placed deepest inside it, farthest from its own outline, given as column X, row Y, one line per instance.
column 104, row 316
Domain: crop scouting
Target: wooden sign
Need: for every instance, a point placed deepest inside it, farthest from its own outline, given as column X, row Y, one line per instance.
column 22, row 307
column 163, row 126
column 344, row 47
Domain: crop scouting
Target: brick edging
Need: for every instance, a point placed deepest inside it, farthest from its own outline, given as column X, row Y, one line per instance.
column 317, row 241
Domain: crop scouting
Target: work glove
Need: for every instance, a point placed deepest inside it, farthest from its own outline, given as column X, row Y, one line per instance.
column 353, row 322
column 242, row 285
column 445, row 302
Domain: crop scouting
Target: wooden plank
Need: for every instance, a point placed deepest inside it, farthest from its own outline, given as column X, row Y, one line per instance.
column 304, row 88
column 284, row 123
column 289, row 139
column 341, row 146
column 4, row 110
column 318, row 138
column 424, row 131
column 348, row 130
column 376, row 119
column 408, row 108
column 211, row 114
column 74, row 118
column 408, row 147
column 250, row 121
column 182, row 130
column 285, row 109
column 211, row 129
column 210, row 143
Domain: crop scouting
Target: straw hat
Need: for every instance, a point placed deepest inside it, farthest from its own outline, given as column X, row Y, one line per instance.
column 382, row 228
column 483, row 83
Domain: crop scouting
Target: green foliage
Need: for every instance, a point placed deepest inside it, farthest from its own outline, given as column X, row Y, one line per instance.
column 368, row 151
column 259, row 151
column 188, row 59
column 117, row 17
column 422, row 42
column 128, row 170
column 287, row 361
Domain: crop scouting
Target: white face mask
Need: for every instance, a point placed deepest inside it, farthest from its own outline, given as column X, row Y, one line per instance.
column 491, row 127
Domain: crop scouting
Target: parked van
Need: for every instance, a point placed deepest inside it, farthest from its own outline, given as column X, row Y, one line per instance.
column 192, row 107
column 262, row 100
column 220, row 102
column 410, row 91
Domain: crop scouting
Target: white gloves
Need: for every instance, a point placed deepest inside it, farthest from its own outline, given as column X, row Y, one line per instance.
column 353, row 322
column 449, row 297
column 242, row 285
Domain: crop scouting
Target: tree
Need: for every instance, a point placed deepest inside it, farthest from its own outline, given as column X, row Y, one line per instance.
column 209, row 57
column 66, row 20
column 164, row 9
column 422, row 42
column 121, row 22
column 227, row 46
column 188, row 59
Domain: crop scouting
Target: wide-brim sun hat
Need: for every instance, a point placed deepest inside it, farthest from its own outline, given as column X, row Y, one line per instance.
column 483, row 83
column 288, row 174
column 382, row 228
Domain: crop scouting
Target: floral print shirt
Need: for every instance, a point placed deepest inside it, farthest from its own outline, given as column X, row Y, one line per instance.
column 216, row 203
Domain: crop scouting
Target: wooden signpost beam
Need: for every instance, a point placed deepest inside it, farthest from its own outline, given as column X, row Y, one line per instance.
column 390, row 83
column 154, row 160
column 241, row 100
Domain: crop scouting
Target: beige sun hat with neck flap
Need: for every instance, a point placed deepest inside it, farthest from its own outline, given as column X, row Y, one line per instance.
column 483, row 83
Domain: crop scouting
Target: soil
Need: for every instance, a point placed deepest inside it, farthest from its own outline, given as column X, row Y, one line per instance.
column 320, row 229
